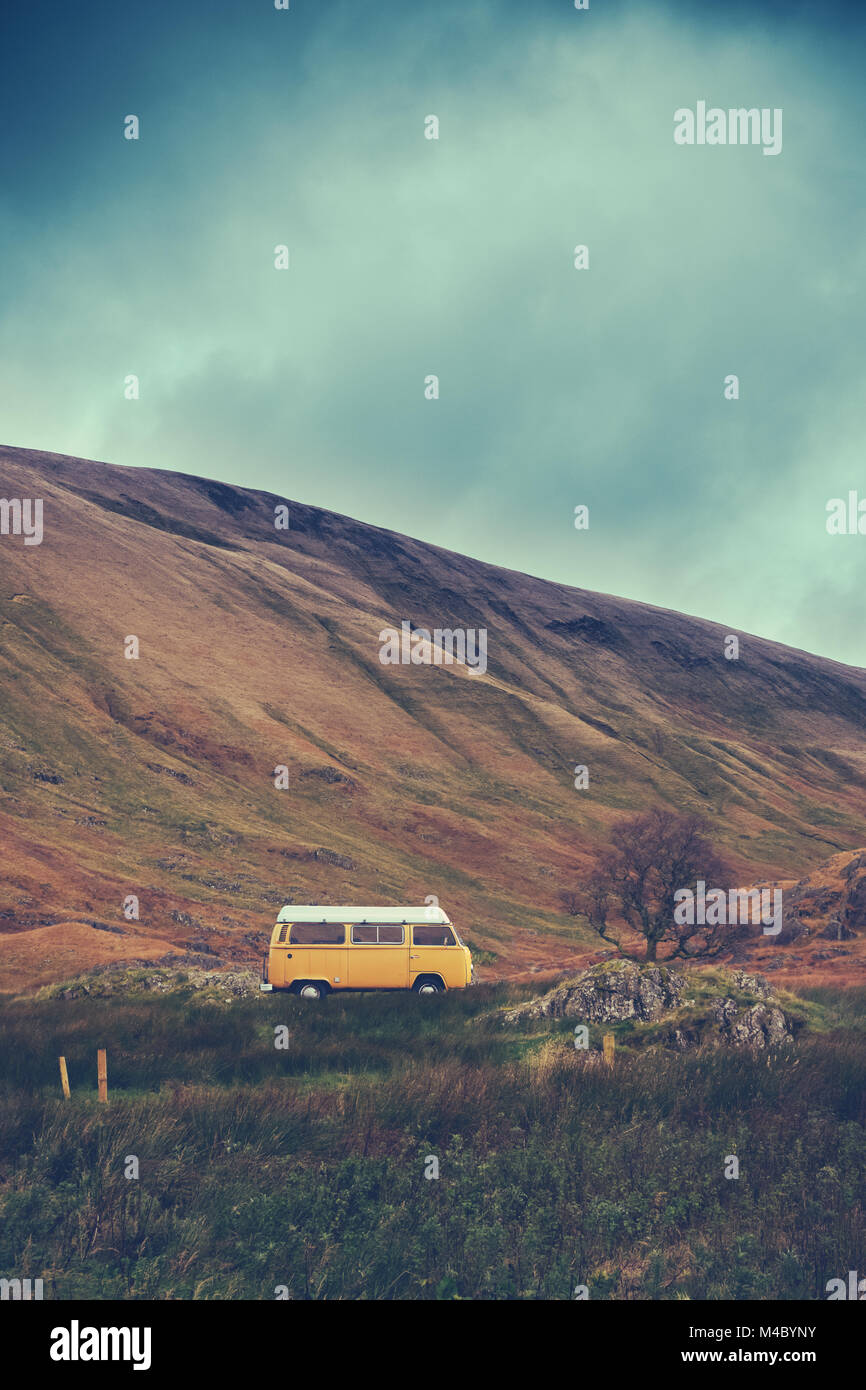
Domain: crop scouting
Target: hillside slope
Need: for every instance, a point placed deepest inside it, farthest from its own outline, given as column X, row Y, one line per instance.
column 260, row 648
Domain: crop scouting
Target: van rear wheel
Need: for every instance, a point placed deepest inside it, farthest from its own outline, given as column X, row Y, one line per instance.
column 311, row 989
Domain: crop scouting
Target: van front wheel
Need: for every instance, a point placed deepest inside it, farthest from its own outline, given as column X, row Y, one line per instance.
column 427, row 985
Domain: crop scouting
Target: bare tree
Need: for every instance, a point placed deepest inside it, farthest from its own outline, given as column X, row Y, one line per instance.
column 571, row 903
column 652, row 856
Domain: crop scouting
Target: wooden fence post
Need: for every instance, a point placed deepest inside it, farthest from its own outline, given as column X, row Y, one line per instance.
column 102, row 1074
column 608, row 1043
column 64, row 1078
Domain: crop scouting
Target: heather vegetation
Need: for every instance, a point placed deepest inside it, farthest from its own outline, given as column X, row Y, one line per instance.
column 303, row 1169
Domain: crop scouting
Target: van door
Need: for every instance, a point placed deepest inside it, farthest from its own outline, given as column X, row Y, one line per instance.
column 317, row 951
column 434, row 951
column 378, row 957
column 327, row 963
column 284, row 958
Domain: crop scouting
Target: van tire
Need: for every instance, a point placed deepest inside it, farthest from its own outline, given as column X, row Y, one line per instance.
column 428, row 984
column 311, row 989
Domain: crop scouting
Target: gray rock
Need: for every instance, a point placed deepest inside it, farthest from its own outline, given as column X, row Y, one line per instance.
column 612, row 993
column 752, row 984
column 184, row 919
column 837, row 930
column 757, row 1025
column 330, row 856
column 328, row 774
column 609, row 994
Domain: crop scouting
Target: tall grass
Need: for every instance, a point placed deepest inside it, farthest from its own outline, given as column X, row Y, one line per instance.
column 304, row 1168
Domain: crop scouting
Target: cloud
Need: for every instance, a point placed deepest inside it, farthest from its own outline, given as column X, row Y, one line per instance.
column 411, row 257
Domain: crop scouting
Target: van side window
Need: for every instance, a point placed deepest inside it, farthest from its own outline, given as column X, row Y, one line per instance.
column 364, row 935
column 392, row 936
column 430, row 934
column 317, row 934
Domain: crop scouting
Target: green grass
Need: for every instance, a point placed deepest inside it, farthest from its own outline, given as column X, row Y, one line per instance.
column 305, row 1168
column 841, row 1008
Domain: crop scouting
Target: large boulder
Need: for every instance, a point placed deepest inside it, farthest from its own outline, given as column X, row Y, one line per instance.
column 753, row 1025
column 609, row 994
column 757, row 1020
column 735, row 1008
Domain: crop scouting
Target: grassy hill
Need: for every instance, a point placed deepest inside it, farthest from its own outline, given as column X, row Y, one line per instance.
column 259, row 648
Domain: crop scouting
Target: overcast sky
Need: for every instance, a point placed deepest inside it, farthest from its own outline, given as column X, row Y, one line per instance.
column 411, row 257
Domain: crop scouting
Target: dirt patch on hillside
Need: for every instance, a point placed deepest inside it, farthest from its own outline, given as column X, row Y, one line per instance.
column 33, row 958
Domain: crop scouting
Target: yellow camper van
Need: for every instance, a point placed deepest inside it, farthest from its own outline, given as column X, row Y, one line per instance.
column 318, row 949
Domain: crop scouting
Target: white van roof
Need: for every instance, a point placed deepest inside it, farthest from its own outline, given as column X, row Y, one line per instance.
column 387, row 916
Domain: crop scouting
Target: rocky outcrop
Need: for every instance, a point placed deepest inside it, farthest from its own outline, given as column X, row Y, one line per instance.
column 837, row 930
column 329, row 774
column 830, row 901
column 744, row 1012
column 608, row 994
column 732, row 1020
column 162, row 976
column 751, row 984
column 854, row 920
column 756, row 1025
column 330, row 856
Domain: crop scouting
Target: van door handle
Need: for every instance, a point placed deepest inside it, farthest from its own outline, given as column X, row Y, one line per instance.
column 413, row 955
